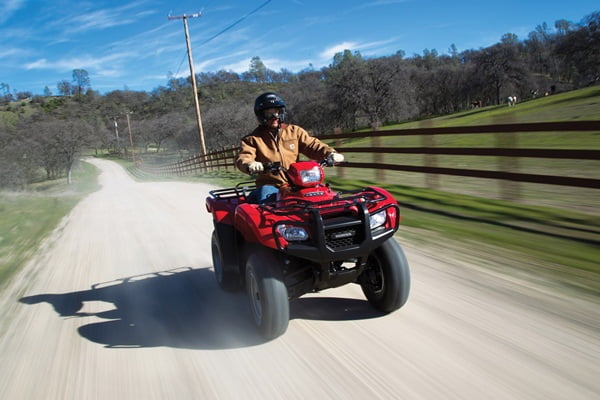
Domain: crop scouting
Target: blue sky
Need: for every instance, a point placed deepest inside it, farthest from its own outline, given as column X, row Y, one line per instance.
column 132, row 44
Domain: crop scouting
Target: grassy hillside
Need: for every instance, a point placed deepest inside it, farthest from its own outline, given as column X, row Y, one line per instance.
column 576, row 105
column 582, row 104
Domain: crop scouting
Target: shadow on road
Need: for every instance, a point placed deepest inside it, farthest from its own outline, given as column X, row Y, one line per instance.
column 181, row 308
column 332, row 309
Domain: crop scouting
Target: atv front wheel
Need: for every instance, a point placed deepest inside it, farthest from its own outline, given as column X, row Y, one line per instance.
column 227, row 280
column 386, row 279
column 267, row 293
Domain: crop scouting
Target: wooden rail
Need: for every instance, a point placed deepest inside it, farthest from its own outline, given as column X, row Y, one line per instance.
column 581, row 126
column 224, row 158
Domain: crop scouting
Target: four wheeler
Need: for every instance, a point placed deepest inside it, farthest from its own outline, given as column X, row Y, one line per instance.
column 306, row 239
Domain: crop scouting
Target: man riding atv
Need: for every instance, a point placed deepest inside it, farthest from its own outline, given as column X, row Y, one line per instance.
column 276, row 141
column 306, row 237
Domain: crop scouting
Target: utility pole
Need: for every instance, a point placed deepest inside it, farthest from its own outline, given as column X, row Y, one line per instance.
column 116, row 128
column 130, row 137
column 193, row 74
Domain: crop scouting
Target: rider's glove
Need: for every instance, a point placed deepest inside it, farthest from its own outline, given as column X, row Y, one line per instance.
column 335, row 157
column 255, row 167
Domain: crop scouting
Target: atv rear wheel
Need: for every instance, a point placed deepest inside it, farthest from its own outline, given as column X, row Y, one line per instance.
column 267, row 293
column 386, row 279
column 227, row 280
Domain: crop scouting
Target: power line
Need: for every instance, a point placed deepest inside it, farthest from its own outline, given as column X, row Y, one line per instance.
column 181, row 63
column 236, row 22
column 222, row 31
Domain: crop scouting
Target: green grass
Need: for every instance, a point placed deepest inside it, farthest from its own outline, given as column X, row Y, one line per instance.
column 582, row 104
column 28, row 216
column 553, row 236
column 576, row 105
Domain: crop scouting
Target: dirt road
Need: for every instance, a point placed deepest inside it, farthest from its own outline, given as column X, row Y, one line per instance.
column 121, row 303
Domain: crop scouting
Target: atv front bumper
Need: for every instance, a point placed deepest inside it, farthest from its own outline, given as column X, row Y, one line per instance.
column 338, row 238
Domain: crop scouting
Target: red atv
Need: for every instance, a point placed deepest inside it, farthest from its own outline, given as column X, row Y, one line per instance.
column 307, row 239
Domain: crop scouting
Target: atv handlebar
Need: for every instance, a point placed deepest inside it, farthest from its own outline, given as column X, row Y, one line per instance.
column 276, row 166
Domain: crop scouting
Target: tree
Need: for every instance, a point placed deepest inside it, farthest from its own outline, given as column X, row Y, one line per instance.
column 81, row 81
column 309, row 104
column 17, row 166
column 64, row 88
column 58, row 144
column 501, row 65
column 226, row 123
column 539, row 48
column 257, row 71
column 579, row 51
column 5, row 95
column 382, row 77
column 165, row 127
column 343, row 78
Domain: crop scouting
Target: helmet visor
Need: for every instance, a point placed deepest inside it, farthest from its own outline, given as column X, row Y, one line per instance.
column 270, row 113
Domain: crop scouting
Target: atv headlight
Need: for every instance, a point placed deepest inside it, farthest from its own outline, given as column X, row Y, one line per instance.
column 292, row 233
column 311, row 175
column 378, row 219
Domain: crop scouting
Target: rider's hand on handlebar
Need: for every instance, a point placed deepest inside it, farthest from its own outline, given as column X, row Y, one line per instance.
column 255, row 167
column 335, row 157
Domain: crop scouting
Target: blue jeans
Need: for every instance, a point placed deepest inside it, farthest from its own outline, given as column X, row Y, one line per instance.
column 263, row 194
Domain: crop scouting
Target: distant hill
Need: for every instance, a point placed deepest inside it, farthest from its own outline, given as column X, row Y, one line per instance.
column 576, row 105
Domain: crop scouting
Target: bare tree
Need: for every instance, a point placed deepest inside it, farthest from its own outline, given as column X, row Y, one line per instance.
column 344, row 78
column 579, row 51
column 501, row 65
column 58, row 144
column 81, row 81
column 64, row 88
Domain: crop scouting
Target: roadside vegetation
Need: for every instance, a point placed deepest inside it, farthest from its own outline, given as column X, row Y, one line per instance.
column 28, row 216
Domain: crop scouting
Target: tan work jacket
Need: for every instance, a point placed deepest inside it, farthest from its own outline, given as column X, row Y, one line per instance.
column 262, row 146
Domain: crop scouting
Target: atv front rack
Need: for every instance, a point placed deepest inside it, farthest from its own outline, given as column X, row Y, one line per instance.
column 346, row 197
column 339, row 228
column 240, row 191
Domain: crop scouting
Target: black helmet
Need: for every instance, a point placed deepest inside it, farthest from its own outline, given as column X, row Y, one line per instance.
column 268, row 100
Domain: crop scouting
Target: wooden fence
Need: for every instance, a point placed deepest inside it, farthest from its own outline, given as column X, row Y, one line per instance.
column 506, row 149
column 215, row 160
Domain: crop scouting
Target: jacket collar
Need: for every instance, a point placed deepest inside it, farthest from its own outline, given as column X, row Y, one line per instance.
column 263, row 131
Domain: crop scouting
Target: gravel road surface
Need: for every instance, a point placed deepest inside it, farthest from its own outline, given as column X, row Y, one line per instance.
column 121, row 303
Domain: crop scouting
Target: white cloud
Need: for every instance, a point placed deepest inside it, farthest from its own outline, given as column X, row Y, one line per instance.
column 10, row 52
column 329, row 52
column 239, row 66
column 90, row 20
column 8, row 8
column 106, row 63
column 376, row 48
column 379, row 3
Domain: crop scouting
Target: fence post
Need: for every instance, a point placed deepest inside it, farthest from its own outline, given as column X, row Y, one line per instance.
column 432, row 181
column 509, row 190
column 377, row 156
column 338, row 143
column 233, row 156
column 224, row 158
